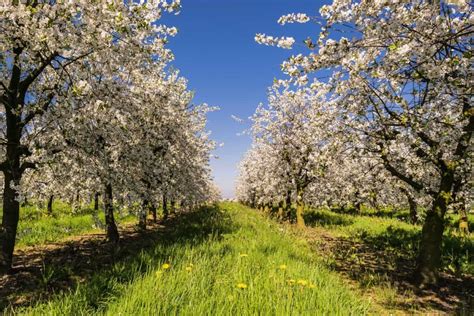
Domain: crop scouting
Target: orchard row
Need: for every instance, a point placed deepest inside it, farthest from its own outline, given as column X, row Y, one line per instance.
column 377, row 110
column 91, row 107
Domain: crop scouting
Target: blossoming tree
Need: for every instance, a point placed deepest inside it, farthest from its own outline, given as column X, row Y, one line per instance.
column 402, row 82
column 82, row 87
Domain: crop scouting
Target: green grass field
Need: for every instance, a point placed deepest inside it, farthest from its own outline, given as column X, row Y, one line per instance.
column 222, row 260
column 232, row 260
column 389, row 231
column 37, row 227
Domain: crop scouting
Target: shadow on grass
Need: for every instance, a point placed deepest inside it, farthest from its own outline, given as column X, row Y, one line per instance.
column 90, row 262
column 388, row 259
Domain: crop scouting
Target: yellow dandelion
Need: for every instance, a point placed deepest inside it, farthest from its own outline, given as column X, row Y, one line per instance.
column 291, row 281
column 283, row 267
column 189, row 269
column 243, row 255
column 311, row 286
column 241, row 285
column 166, row 266
column 302, row 282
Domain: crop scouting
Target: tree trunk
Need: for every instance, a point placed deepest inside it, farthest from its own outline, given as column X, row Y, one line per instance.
column 413, row 212
column 299, row 210
column 357, row 204
column 412, row 205
column 12, row 173
column 112, row 232
column 429, row 259
column 142, row 216
column 153, row 211
column 50, row 204
column 95, row 215
column 11, row 215
column 96, row 201
column 165, row 207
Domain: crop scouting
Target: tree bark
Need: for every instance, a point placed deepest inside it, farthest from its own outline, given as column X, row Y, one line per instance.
column 413, row 212
column 412, row 205
column 96, row 201
column 299, row 210
column 50, row 204
column 429, row 260
column 111, row 227
column 165, row 207
column 153, row 212
column 357, row 204
column 11, row 215
column 142, row 216
column 12, row 172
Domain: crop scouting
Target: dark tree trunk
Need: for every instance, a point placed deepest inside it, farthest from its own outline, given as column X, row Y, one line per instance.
column 12, row 172
column 50, row 204
column 142, row 215
column 165, row 207
column 413, row 211
column 429, row 259
column 153, row 212
column 357, row 204
column 112, row 232
column 96, row 201
column 412, row 205
column 11, row 215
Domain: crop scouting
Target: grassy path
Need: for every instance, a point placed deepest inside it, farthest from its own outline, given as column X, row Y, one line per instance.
column 226, row 260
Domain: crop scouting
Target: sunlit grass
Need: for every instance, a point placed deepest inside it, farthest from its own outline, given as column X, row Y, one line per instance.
column 226, row 261
column 37, row 226
column 396, row 235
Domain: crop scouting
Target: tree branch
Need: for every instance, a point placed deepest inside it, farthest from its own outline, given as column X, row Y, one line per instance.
column 25, row 84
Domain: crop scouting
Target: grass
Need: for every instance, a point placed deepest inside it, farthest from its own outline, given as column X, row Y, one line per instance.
column 37, row 227
column 393, row 234
column 225, row 260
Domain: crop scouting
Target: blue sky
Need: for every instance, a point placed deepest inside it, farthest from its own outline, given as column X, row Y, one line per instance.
column 215, row 50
